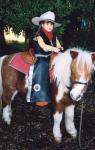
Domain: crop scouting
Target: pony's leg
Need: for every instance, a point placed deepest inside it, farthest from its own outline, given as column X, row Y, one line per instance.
column 6, row 104
column 69, row 121
column 56, row 127
column 7, row 113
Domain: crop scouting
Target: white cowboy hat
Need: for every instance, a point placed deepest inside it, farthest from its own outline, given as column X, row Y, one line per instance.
column 50, row 16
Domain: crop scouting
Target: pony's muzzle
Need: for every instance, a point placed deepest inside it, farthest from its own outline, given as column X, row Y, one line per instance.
column 75, row 97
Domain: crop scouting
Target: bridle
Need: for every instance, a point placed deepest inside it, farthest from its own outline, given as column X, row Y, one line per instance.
column 78, row 82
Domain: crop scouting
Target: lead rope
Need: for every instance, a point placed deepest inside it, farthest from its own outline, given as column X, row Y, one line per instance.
column 80, row 128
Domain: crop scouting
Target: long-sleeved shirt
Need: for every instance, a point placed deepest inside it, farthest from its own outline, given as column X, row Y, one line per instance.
column 47, row 47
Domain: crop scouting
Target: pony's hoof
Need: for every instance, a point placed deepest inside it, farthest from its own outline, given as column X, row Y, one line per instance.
column 72, row 132
column 7, row 120
column 58, row 139
column 74, row 135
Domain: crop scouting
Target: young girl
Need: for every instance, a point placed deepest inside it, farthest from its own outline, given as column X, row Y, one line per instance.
column 43, row 44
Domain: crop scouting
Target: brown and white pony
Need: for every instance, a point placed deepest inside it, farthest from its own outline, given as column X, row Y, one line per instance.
column 73, row 68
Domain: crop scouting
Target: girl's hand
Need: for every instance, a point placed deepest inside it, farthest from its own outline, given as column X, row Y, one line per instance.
column 61, row 48
column 56, row 50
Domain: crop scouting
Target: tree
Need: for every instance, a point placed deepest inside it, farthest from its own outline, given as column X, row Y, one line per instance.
column 87, row 19
column 18, row 14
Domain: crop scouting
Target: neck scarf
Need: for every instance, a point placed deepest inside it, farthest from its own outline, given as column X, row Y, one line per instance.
column 48, row 34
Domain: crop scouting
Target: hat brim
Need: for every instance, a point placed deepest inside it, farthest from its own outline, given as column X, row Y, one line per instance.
column 36, row 21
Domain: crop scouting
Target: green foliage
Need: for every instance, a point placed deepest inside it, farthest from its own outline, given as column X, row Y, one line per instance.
column 87, row 7
column 15, row 47
column 18, row 13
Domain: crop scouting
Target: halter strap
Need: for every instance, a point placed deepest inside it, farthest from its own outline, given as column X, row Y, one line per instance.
column 78, row 82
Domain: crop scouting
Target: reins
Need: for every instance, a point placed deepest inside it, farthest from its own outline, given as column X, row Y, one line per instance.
column 80, row 129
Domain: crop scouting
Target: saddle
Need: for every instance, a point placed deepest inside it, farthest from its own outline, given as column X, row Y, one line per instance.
column 29, row 57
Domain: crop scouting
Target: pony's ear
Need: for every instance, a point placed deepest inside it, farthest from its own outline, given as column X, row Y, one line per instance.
column 93, row 56
column 74, row 54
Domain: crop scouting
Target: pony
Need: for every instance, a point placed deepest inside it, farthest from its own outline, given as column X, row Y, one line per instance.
column 72, row 72
column 72, row 68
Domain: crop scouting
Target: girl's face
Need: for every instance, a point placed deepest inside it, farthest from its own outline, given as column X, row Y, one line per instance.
column 48, row 26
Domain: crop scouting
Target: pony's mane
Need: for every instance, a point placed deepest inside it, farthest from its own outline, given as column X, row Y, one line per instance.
column 84, row 57
column 61, row 65
column 62, row 62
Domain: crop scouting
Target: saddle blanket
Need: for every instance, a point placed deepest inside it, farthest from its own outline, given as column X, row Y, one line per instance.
column 19, row 64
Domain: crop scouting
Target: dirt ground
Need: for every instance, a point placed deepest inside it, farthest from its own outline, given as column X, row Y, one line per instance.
column 31, row 128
